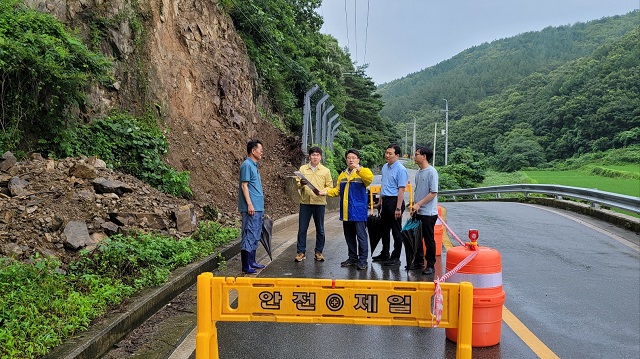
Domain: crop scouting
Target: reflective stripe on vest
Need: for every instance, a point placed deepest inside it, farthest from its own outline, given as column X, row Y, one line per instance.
column 478, row 280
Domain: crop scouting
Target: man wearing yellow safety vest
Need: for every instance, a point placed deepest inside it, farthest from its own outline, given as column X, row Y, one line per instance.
column 351, row 186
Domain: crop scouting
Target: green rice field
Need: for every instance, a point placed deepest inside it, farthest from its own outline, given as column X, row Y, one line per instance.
column 625, row 168
column 577, row 178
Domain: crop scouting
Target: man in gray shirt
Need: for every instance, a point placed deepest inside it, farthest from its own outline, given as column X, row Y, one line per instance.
column 425, row 207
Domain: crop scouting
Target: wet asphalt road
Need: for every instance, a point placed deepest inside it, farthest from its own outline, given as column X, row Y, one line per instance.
column 574, row 286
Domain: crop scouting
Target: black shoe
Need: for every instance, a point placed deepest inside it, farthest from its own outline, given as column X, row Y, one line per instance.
column 348, row 263
column 362, row 266
column 414, row 266
column 428, row 271
column 391, row 262
column 380, row 258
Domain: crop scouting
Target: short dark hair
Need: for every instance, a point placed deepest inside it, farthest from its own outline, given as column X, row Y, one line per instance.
column 425, row 151
column 354, row 151
column 252, row 144
column 315, row 149
column 396, row 149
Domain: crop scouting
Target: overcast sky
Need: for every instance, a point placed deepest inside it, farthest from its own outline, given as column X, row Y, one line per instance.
column 406, row 36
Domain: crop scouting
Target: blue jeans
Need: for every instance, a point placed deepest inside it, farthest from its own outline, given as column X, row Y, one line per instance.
column 355, row 233
column 304, row 217
column 251, row 230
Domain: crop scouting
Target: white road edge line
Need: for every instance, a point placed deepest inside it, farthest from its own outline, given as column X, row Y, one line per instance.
column 586, row 224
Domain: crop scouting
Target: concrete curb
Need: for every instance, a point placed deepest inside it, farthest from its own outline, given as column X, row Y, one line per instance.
column 112, row 328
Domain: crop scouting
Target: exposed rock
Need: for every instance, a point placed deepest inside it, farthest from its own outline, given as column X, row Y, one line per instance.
column 186, row 219
column 7, row 161
column 96, row 238
column 18, row 187
column 144, row 220
column 76, row 235
column 50, row 165
column 110, row 227
column 103, row 185
column 56, row 224
column 6, row 216
column 107, row 197
column 36, row 157
column 96, row 162
column 13, row 250
column 85, row 195
column 81, row 170
column 4, row 179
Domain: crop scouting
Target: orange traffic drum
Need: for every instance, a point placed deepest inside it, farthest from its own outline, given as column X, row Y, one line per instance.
column 438, row 230
column 437, row 235
column 485, row 273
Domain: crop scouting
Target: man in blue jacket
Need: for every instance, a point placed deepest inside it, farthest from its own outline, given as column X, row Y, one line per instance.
column 351, row 186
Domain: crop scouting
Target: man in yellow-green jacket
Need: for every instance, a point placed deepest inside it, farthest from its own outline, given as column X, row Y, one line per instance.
column 351, row 186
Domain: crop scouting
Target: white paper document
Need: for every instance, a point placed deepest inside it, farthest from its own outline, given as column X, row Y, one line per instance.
column 302, row 177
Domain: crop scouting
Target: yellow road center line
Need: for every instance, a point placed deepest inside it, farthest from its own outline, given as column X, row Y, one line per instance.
column 536, row 345
column 521, row 330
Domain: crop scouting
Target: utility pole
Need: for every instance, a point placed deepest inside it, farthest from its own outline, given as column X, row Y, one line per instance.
column 446, row 130
column 406, row 135
column 413, row 147
column 435, row 132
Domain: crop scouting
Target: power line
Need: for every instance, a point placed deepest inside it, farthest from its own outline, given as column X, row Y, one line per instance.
column 355, row 25
column 366, row 35
column 346, row 21
column 274, row 47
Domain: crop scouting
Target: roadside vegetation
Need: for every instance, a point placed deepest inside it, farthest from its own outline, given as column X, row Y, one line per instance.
column 45, row 71
column 42, row 302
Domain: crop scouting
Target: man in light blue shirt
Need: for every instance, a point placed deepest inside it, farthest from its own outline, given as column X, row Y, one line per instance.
column 425, row 207
column 394, row 181
column 251, row 205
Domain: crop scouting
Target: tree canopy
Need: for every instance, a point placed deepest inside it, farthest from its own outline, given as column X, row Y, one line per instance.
column 291, row 55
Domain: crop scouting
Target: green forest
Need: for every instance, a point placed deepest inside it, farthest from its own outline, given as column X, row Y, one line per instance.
column 530, row 101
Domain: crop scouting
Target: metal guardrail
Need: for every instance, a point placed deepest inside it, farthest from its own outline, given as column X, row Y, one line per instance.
column 594, row 196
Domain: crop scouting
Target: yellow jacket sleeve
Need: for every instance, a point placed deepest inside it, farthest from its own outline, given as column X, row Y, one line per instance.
column 366, row 175
column 335, row 191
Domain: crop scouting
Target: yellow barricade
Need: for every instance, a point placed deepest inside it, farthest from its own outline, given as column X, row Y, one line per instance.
column 376, row 189
column 340, row 301
column 373, row 190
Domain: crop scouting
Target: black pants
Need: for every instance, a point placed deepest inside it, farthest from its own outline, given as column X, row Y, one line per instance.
column 388, row 223
column 428, row 222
